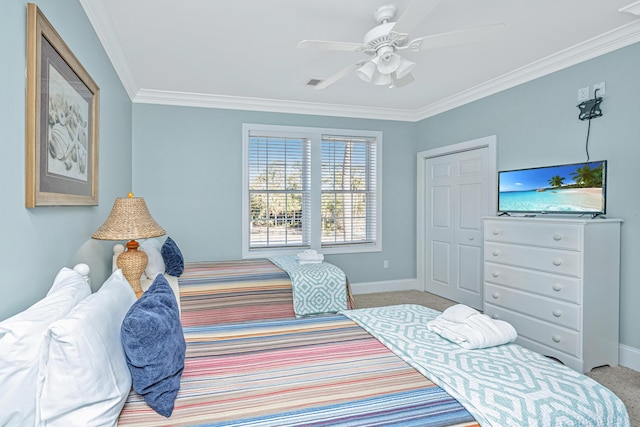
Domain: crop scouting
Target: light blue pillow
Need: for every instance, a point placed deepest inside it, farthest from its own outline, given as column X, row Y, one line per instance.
column 173, row 260
column 154, row 346
column 155, row 264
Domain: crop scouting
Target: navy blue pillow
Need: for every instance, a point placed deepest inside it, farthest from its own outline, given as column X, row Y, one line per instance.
column 173, row 261
column 154, row 345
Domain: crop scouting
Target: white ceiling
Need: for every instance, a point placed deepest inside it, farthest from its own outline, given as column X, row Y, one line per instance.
column 242, row 54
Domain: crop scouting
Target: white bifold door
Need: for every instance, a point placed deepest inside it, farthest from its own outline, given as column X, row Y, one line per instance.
column 458, row 192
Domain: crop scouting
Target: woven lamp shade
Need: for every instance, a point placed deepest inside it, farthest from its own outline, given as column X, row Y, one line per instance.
column 129, row 220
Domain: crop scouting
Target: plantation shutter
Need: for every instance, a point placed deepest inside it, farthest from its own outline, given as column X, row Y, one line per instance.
column 279, row 190
column 348, row 190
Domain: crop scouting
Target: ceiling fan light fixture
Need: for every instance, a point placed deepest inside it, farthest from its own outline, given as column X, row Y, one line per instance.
column 382, row 43
column 367, row 71
column 380, row 79
column 388, row 61
column 404, row 68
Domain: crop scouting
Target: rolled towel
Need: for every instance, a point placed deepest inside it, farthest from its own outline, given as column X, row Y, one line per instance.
column 310, row 255
column 459, row 313
column 452, row 331
column 479, row 331
column 493, row 332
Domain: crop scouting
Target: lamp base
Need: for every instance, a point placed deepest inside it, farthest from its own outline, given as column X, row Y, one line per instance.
column 132, row 262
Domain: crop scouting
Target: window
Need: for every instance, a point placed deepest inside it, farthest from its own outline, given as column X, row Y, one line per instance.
column 310, row 188
column 348, row 190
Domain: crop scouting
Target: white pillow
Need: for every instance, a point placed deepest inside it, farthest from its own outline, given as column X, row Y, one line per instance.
column 21, row 340
column 83, row 377
column 155, row 265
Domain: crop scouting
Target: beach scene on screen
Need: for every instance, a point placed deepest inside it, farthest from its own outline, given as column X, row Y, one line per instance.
column 565, row 188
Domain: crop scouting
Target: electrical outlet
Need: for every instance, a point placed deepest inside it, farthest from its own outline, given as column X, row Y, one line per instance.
column 385, row 263
column 583, row 94
column 600, row 87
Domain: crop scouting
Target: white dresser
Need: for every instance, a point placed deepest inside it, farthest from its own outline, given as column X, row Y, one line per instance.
column 557, row 282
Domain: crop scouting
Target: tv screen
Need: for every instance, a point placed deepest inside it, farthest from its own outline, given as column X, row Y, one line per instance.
column 578, row 188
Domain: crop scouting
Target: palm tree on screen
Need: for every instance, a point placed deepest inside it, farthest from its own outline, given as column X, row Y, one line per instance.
column 556, row 181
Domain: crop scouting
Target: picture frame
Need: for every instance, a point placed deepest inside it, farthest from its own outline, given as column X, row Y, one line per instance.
column 62, row 121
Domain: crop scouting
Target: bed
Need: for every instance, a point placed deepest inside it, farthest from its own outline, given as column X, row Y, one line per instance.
column 251, row 360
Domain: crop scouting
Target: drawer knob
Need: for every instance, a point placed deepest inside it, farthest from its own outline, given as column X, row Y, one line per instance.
column 495, row 295
column 557, row 262
column 557, row 313
column 495, row 316
column 495, row 274
column 556, row 338
column 557, row 287
column 496, row 232
column 470, row 238
column 495, row 252
column 557, row 237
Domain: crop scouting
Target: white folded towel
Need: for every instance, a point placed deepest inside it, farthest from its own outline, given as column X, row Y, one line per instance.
column 459, row 313
column 476, row 331
column 309, row 256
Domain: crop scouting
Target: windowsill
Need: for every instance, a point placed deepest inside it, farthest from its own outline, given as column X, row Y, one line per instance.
column 350, row 249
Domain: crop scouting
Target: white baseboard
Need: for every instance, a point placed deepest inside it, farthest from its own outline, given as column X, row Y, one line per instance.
column 384, row 286
column 629, row 357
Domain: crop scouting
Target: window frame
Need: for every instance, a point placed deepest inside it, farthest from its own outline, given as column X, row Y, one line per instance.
column 315, row 136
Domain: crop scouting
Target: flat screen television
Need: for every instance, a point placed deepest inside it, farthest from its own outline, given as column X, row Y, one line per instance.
column 577, row 188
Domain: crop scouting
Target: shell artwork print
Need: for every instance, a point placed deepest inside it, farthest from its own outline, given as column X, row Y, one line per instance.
column 67, row 129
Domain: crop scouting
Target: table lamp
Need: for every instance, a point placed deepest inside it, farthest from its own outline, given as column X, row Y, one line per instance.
column 129, row 220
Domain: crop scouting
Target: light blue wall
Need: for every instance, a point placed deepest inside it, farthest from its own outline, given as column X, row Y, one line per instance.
column 537, row 124
column 38, row 242
column 188, row 160
column 188, row 167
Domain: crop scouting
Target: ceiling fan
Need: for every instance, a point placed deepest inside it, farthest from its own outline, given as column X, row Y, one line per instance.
column 385, row 66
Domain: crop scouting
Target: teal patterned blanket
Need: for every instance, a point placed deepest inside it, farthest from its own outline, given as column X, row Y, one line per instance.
column 500, row 386
column 317, row 288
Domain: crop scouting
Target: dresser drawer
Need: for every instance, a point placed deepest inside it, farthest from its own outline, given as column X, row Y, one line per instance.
column 557, row 312
column 544, row 333
column 550, row 260
column 551, row 285
column 551, row 235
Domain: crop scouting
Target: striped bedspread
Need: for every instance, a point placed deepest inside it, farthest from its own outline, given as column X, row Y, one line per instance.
column 234, row 291
column 218, row 292
column 309, row 371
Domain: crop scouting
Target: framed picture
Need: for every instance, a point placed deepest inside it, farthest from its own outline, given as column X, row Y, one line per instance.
column 61, row 123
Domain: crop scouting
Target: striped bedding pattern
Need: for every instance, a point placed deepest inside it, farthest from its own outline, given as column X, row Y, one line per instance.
column 218, row 292
column 234, row 291
column 315, row 371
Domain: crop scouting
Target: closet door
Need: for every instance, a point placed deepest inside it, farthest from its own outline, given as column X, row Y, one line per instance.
column 456, row 197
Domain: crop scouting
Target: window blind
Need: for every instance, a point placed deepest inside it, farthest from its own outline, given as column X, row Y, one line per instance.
column 279, row 190
column 348, row 190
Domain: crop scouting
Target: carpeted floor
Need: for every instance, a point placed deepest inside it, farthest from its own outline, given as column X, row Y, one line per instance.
column 624, row 382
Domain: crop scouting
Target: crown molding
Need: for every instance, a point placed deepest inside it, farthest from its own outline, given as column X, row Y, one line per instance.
column 608, row 42
column 149, row 96
column 615, row 39
column 102, row 25
column 633, row 8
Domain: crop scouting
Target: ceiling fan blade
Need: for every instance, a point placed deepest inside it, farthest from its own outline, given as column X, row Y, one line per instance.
column 403, row 81
column 413, row 15
column 328, row 45
column 471, row 35
column 337, row 76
